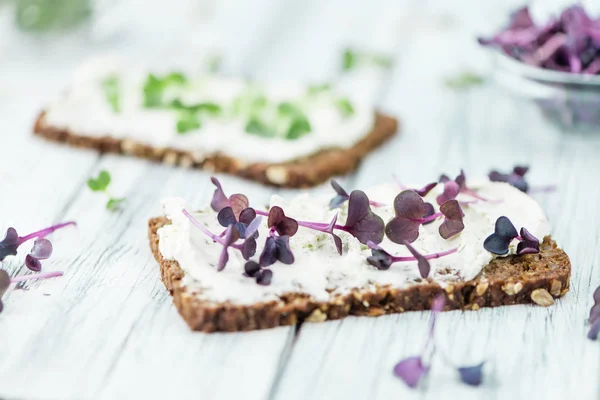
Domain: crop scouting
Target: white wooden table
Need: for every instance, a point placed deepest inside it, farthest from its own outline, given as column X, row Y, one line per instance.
column 108, row 328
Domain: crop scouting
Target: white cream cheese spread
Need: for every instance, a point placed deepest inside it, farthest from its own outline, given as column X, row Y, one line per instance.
column 319, row 270
column 335, row 120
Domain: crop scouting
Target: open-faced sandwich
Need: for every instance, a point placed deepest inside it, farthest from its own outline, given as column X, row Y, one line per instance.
column 235, row 266
column 284, row 134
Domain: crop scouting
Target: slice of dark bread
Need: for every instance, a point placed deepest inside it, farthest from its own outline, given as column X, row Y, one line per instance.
column 303, row 172
column 532, row 278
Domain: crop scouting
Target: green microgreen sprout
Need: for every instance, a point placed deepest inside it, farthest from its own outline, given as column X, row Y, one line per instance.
column 352, row 58
column 464, row 80
column 111, row 87
column 155, row 86
column 100, row 184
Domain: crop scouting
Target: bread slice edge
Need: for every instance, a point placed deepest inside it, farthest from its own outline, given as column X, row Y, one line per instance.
column 303, row 172
column 533, row 278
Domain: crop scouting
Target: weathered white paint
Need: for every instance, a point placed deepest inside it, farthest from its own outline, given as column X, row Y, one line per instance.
column 108, row 329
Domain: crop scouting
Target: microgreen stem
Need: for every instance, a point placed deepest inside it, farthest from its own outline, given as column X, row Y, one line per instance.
column 427, row 219
column 320, row 226
column 198, row 225
column 519, row 238
column 376, row 203
column 45, row 232
column 217, row 239
column 43, row 275
column 543, row 189
column 426, row 256
column 263, row 213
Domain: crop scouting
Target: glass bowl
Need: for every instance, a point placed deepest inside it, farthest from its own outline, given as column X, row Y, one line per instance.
column 571, row 101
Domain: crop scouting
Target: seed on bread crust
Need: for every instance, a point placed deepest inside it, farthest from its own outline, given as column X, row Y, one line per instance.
column 555, row 287
column 481, row 288
column 542, row 297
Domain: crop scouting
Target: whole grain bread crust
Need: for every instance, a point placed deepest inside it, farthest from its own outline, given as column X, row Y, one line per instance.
column 302, row 172
column 532, row 278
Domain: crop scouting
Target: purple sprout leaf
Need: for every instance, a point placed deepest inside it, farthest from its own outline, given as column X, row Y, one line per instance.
column 505, row 228
column 341, row 195
column 238, row 202
column 461, row 180
column 33, row 263
column 504, row 233
column 252, row 228
column 251, row 268
column 410, row 208
column 336, row 239
column 453, row 221
column 247, row 216
column 516, row 178
column 424, row 191
column 430, row 210
column 42, row 249
column 472, row 375
column 277, row 248
column 444, row 178
column 594, row 313
column 219, row 199
column 529, row 244
column 226, row 217
column 277, row 220
column 379, row 258
column 10, row 243
column 594, row 330
column 411, row 370
column 249, row 248
column 264, row 277
column 362, row 223
column 230, row 237
column 423, row 264
column 597, row 295
column 451, row 190
column 4, row 285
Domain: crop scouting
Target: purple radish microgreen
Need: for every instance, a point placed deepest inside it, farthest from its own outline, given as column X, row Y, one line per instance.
column 262, row 275
column 342, row 196
column 516, row 178
column 413, row 369
column 594, row 318
column 453, row 219
column 472, row 375
column 504, row 233
column 226, row 217
column 424, row 191
column 41, row 250
column 231, row 236
column 362, row 222
column 238, row 202
column 382, row 260
column 528, row 244
column 6, row 281
column 461, row 181
column 451, row 190
column 284, row 226
column 277, row 248
column 4, row 285
column 247, row 248
column 12, row 241
column 411, row 212
column 100, row 184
